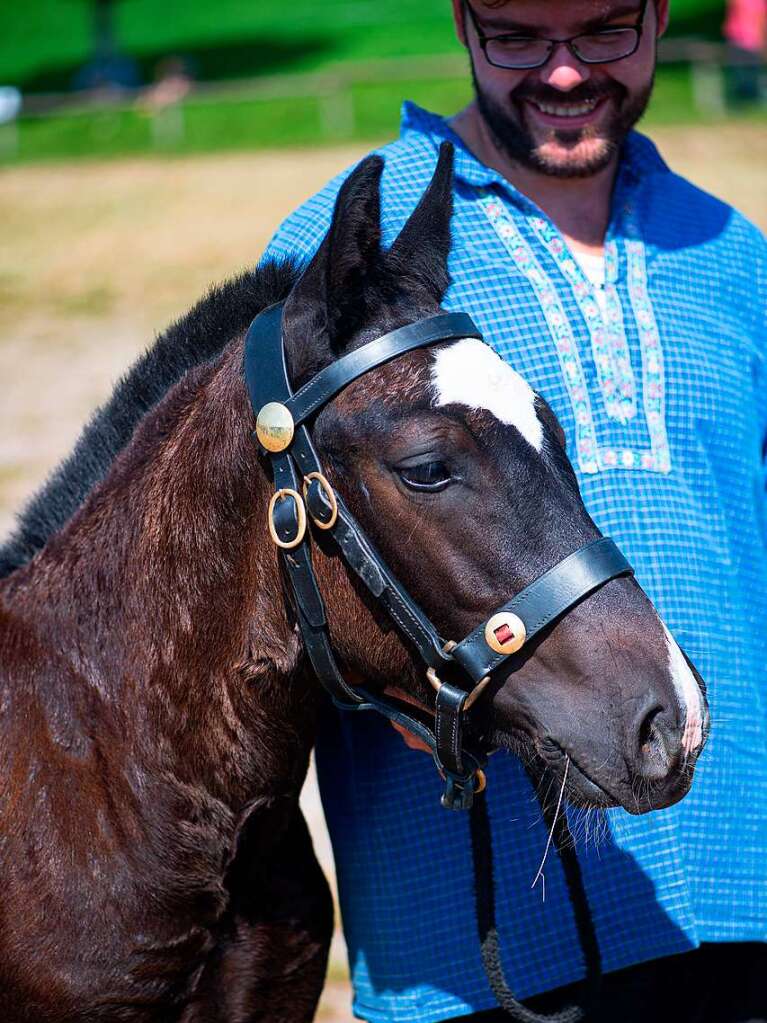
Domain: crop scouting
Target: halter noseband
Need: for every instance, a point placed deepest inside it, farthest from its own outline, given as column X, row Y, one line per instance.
column 303, row 493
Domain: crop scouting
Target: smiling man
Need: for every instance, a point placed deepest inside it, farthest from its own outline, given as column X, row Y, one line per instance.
column 556, row 95
column 637, row 305
column 568, row 120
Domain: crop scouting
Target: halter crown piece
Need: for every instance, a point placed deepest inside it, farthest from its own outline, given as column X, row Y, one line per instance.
column 303, row 495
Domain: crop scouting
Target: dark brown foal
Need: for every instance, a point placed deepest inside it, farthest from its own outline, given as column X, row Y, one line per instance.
column 157, row 709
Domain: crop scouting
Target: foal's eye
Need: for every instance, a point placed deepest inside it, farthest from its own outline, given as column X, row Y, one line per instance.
column 428, row 476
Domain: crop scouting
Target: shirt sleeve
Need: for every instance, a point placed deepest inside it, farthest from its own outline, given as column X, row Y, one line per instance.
column 761, row 336
column 761, row 371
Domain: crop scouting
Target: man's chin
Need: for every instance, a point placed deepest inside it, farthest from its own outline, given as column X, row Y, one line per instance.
column 579, row 152
column 573, row 158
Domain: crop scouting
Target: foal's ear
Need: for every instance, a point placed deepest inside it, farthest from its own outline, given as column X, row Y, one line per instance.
column 421, row 250
column 328, row 303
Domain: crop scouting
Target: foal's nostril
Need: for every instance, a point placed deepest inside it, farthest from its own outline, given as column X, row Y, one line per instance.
column 658, row 743
column 647, row 729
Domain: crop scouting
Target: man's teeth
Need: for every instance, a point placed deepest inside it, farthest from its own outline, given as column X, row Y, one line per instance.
column 566, row 109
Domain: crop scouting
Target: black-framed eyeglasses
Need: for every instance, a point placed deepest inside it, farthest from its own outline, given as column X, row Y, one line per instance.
column 519, row 52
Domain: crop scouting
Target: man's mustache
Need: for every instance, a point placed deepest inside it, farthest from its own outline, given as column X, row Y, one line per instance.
column 586, row 93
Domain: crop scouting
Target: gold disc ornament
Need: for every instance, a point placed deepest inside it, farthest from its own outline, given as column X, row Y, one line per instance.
column 505, row 633
column 275, row 427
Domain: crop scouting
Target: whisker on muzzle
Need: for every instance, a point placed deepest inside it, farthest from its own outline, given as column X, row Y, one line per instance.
column 540, row 874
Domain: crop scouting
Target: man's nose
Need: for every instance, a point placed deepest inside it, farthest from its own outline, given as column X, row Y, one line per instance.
column 564, row 71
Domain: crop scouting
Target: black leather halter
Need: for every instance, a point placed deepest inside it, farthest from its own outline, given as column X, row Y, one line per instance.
column 283, row 431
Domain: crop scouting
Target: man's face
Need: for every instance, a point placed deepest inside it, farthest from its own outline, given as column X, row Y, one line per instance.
column 567, row 118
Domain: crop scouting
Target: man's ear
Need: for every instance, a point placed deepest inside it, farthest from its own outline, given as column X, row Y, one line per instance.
column 459, row 20
column 662, row 12
column 328, row 302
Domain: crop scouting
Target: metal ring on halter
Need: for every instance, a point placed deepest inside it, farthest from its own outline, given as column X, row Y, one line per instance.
column 479, row 688
column 476, row 692
column 327, row 490
column 431, row 674
column 480, row 780
column 288, row 545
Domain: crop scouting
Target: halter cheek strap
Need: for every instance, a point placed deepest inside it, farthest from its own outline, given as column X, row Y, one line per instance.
column 303, row 496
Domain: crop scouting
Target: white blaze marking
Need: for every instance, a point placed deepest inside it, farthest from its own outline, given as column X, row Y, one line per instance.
column 470, row 373
column 688, row 692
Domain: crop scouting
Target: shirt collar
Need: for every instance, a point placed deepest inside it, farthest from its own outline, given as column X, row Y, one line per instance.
column 640, row 157
column 416, row 120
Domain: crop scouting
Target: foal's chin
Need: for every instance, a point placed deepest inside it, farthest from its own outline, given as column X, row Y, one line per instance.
column 553, row 769
column 634, row 794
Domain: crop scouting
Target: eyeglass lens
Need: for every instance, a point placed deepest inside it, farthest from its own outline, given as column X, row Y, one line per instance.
column 525, row 52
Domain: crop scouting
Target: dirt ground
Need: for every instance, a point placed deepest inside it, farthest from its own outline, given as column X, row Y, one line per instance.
column 95, row 258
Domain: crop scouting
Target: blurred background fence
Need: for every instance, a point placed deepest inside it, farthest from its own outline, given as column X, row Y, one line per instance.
column 119, row 77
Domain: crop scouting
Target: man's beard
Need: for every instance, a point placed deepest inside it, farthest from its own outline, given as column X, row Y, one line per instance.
column 512, row 136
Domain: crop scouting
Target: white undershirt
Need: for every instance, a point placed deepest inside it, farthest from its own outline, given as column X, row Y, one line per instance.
column 593, row 266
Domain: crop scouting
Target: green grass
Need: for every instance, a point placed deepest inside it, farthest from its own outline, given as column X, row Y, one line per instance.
column 43, row 42
column 242, row 124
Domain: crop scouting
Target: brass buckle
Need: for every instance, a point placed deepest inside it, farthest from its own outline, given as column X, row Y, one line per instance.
column 431, row 673
column 480, row 780
column 476, row 692
column 288, row 545
column 473, row 696
column 329, row 494
column 436, row 681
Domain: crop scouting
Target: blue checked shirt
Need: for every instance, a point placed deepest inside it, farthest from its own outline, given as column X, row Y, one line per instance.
column 661, row 388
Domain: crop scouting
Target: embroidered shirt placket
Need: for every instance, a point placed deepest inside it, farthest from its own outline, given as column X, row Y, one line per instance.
column 653, row 376
column 608, row 337
column 617, row 382
column 558, row 324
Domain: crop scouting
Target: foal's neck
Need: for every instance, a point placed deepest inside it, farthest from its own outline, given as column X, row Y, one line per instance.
column 168, row 589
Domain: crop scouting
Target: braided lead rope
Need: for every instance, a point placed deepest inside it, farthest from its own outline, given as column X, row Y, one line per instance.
column 482, row 854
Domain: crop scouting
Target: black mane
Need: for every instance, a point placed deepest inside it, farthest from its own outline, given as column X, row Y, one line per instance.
column 192, row 340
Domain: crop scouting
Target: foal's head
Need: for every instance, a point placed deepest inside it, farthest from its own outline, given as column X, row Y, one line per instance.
column 458, row 472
